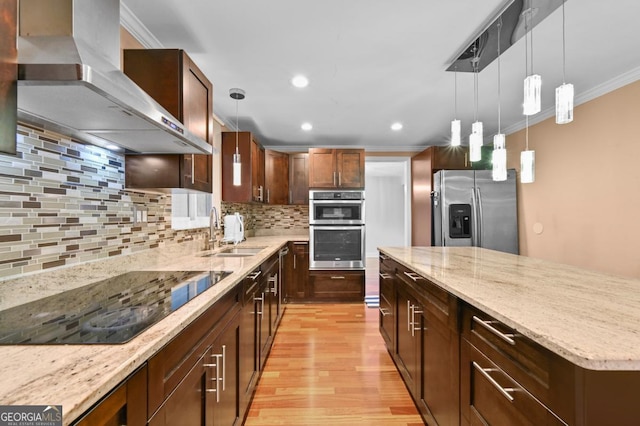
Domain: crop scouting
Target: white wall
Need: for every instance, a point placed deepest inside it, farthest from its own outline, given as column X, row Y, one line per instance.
column 387, row 209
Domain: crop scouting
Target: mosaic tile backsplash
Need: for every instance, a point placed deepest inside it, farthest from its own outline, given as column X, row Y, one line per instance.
column 63, row 202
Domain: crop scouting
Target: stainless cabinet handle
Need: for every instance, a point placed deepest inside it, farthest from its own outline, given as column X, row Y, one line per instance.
column 384, row 276
column 274, row 280
column 294, row 261
column 339, row 178
column 217, row 377
column 384, row 312
column 409, row 316
column 268, row 195
column 414, row 277
column 337, row 277
column 290, row 197
column 506, row 392
column 415, row 309
column 487, row 325
column 334, row 179
column 261, row 300
column 254, row 275
column 193, row 169
column 383, row 257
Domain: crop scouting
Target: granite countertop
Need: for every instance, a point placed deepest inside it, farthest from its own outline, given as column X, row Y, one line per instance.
column 589, row 318
column 74, row 375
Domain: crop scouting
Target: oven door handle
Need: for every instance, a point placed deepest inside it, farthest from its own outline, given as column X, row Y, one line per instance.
column 336, row 228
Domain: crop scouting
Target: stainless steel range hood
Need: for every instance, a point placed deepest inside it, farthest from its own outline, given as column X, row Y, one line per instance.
column 69, row 80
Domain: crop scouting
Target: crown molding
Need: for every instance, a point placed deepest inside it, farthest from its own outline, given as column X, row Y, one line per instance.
column 137, row 29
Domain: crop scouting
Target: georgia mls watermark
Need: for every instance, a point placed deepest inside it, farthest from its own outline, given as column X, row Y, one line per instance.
column 30, row 415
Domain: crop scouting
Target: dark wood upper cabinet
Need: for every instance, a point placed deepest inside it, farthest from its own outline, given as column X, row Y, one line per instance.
column 276, row 177
column 423, row 166
column 299, row 178
column 252, row 158
column 176, row 83
column 336, row 168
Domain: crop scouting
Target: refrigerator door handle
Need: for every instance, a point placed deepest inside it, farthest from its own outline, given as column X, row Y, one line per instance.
column 474, row 214
column 479, row 220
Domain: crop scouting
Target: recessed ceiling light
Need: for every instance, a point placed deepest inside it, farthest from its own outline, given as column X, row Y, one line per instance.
column 306, row 127
column 396, row 126
column 300, row 81
column 113, row 147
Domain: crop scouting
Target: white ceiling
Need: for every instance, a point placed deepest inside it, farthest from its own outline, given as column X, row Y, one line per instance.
column 373, row 62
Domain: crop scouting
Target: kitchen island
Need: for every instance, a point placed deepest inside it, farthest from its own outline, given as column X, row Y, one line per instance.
column 555, row 343
column 77, row 376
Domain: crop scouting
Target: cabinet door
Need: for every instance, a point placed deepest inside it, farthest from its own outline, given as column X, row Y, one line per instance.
column 257, row 172
column 276, row 177
column 189, row 404
column 350, row 168
column 387, row 315
column 242, row 193
column 297, row 271
column 197, row 117
column 408, row 336
column 322, row 168
column 439, row 381
column 299, row 179
column 248, row 350
column 263, row 301
column 225, row 375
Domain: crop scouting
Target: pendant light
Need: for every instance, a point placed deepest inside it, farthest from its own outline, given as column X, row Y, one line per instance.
column 476, row 138
column 527, row 159
column 533, row 82
column 455, row 123
column 238, row 95
column 499, row 156
column 564, row 93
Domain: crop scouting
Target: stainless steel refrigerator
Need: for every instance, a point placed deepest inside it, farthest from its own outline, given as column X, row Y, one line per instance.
column 470, row 209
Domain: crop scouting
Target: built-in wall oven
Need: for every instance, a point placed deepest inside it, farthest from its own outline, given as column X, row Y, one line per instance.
column 336, row 230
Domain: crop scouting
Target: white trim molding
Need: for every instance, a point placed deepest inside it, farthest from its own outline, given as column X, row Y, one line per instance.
column 137, row 29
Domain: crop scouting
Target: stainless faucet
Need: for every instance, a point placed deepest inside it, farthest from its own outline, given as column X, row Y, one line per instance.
column 213, row 225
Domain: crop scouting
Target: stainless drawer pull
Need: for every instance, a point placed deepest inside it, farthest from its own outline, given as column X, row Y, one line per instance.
column 254, row 275
column 383, row 257
column 274, row 280
column 487, row 324
column 384, row 276
column 506, row 392
column 384, row 312
column 415, row 277
column 337, row 277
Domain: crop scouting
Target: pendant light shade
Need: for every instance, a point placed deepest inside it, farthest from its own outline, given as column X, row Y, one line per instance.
column 499, row 158
column 455, row 133
column 238, row 95
column 527, row 166
column 475, row 147
column 564, row 93
column 564, row 103
column 532, row 102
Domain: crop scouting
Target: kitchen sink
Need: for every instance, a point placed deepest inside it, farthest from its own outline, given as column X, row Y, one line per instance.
column 235, row 252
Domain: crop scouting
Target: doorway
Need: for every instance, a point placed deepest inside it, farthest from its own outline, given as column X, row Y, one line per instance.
column 387, row 210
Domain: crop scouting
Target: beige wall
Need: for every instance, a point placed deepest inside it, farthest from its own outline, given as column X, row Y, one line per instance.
column 587, row 190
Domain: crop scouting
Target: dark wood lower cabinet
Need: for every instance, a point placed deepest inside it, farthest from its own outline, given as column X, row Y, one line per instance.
column 125, row 405
column 336, row 286
column 297, row 272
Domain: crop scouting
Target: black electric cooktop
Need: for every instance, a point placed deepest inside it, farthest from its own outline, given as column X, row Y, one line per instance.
column 109, row 311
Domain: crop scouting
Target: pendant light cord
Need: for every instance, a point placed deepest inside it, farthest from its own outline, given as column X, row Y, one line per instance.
column 499, row 98
column 237, row 128
column 455, row 93
column 475, row 80
column 564, row 53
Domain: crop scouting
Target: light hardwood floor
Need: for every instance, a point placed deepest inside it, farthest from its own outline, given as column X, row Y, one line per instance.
column 329, row 366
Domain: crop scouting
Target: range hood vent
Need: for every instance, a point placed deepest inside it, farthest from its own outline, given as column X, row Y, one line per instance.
column 69, row 80
column 486, row 42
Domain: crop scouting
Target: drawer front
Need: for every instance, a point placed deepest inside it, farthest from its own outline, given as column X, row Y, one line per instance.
column 337, row 285
column 547, row 376
column 492, row 397
column 387, row 312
